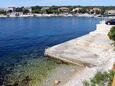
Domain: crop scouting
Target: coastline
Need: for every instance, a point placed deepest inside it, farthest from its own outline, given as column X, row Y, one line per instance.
column 51, row 15
column 93, row 50
column 57, row 15
column 33, row 53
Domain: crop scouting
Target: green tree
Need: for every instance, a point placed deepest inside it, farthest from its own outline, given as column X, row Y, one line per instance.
column 53, row 8
column 111, row 33
column 36, row 11
column 49, row 11
column 26, row 11
column 83, row 10
column 36, row 8
column 97, row 12
column 19, row 9
column 102, row 11
column 2, row 12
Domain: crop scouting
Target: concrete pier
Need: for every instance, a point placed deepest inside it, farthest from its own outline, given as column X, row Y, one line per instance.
column 91, row 50
column 94, row 50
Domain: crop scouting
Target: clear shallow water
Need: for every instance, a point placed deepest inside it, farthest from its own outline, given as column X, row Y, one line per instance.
column 23, row 41
column 24, row 38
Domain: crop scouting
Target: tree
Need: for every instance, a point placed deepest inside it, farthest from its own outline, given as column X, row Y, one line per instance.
column 97, row 12
column 111, row 33
column 102, row 11
column 83, row 10
column 19, row 9
column 49, row 11
column 26, row 11
column 36, row 11
column 2, row 12
column 53, row 8
column 36, row 8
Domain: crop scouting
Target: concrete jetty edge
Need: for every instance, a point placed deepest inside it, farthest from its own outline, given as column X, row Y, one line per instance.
column 93, row 50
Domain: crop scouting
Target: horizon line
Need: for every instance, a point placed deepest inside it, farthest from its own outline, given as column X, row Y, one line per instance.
column 62, row 5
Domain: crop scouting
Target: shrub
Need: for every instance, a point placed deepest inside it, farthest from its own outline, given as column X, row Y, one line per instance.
column 101, row 79
column 111, row 33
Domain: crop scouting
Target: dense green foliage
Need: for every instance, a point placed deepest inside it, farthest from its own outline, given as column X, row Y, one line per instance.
column 19, row 9
column 25, row 11
column 2, row 12
column 36, row 11
column 101, row 79
column 102, row 11
column 36, row 7
column 111, row 33
column 55, row 10
column 83, row 10
column 22, row 9
column 52, row 11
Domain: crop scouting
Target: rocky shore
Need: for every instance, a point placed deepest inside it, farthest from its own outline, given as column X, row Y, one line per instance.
column 93, row 51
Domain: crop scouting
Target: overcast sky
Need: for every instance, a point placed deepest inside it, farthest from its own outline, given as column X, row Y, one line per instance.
column 7, row 3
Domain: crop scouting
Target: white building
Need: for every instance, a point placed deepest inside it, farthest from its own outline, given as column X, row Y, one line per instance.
column 76, row 9
column 15, row 14
column 111, row 12
column 10, row 9
column 94, row 10
column 63, row 9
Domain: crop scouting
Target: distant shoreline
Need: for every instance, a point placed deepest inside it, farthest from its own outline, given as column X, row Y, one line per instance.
column 56, row 15
column 51, row 15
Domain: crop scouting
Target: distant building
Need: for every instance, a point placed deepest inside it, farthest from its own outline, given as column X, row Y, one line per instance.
column 15, row 14
column 111, row 12
column 63, row 9
column 11, row 9
column 95, row 10
column 76, row 9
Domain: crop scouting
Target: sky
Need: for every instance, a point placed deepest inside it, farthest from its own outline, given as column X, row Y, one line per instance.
column 18, row 3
